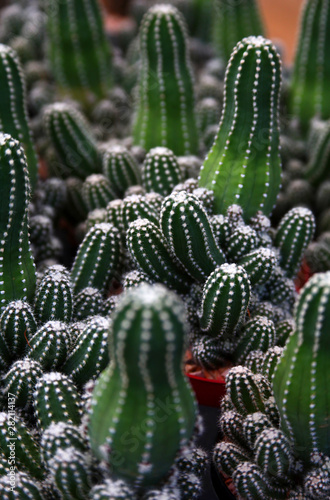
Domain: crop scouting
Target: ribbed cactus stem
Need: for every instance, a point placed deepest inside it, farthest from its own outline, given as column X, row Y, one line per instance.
column 187, row 228
column 79, row 52
column 302, row 375
column 161, row 171
column 233, row 21
column 17, row 270
column 72, row 140
column 151, row 366
column 13, row 107
column 165, row 115
column 310, row 94
column 244, row 165
column 120, row 168
column 294, row 233
column 53, row 299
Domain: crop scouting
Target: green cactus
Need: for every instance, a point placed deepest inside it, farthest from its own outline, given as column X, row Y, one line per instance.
column 56, row 400
column 207, row 352
column 151, row 253
column 75, row 204
column 17, row 270
column 244, row 165
column 13, row 107
column 301, row 377
column 26, row 488
column 161, row 171
column 257, row 333
column 226, row 295
column 135, row 207
column 90, row 353
column 24, row 448
column 273, row 453
column 165, row 115
column 283, row 330
column 253, row 425
column 233, row 21
column 97, row 259
column 50, row 345
column 20, row 381
column 17, row 325
column 270, row 361
column 187, row 229
column 72, row 140
column 242, row 240
column 247, row 391
column 114, row 489
column 97, row 191
column 259, row 265
column 79, row 52
column 252, row 484
column 53, row 298
column 227, row 456
column 294, row 233
column 137, row 356
column 88, row 302
column 309, row 94
column 231, row 426
column 317, row 169
column 120, row 168
column 61, row 435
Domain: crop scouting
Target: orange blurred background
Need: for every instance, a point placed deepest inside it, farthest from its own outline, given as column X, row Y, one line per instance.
column 281, row 18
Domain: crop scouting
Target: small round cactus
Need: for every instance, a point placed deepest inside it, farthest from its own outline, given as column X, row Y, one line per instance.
column 17, row 325
column 227, row 456
column 161, row 171
column 20, row 381
column 248, row 392
column 273, row 453
column 257, row 333
column 50, row 345
column 61, row 435
column 88, row 302
column 120, row 168
column 53, row 298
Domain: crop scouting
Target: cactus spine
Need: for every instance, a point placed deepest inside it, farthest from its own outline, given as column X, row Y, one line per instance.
column 78, row 49
column 17, row 270
column 310, row 94
column 243, row 165
column 137, row 355
column 302, row 375
column 166, row 109
column 13, row 111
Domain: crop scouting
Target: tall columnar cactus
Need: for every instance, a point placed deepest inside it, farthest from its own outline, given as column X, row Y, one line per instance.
column 13, row 111
column 226, row 296
column 232, row 21
column 161, row 171
column 79, row 52
column 97, row 259
column 310, row 95
column 186, row 227
column 139, row 361
column 317, row 169
column 293, row 235
column 302, row 376
column 17, row 270
column 165, row 115
column 72, row 140
column 244, row 165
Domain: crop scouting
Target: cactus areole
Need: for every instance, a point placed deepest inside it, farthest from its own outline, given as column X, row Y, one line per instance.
column 244, row 165
column 302, row 377
column 143, row 410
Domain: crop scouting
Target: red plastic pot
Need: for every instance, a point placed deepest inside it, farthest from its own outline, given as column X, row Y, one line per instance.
column 208, row 392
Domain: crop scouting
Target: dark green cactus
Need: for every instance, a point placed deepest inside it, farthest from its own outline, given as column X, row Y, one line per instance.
column 24, row 448
column 244, row 165
column 135, row 368
column 135, row 278
column 50, row 345
column 283, row 330
column 257, row 333
column 13, row 107
column 259, row 264
column 26, row 488
column 273, row 453
column 88, row 302
column 97, row 259
column 20, row 381
column 187, row 229
column 309, row 92
column 317, row 169
column 252, row 484
column 72, row 140
column 233, row 21
column 120, row 168
column 90, row 353
column 97, row 191
column 151, row 253
column 227, row 456
column 17, row 270
column 114, row 489
column 17, row 325
column 136, row 207
column 317, row 480
column 247, row 391
column 242, row 240
column 253, row 425
column 56, row 400
column 161, row 171
column 53, row 298
column 302, row 376
column 231, row 426
column 294, row 233
column 75, row 204
column 271, row 358
column 69, row 471
column 115, row 214
column 61, row 435
column 165, row 115
column 79, row 52
column 226, row 295
column 207, row 352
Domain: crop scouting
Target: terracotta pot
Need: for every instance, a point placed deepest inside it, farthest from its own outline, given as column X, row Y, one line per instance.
column 116, row 7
